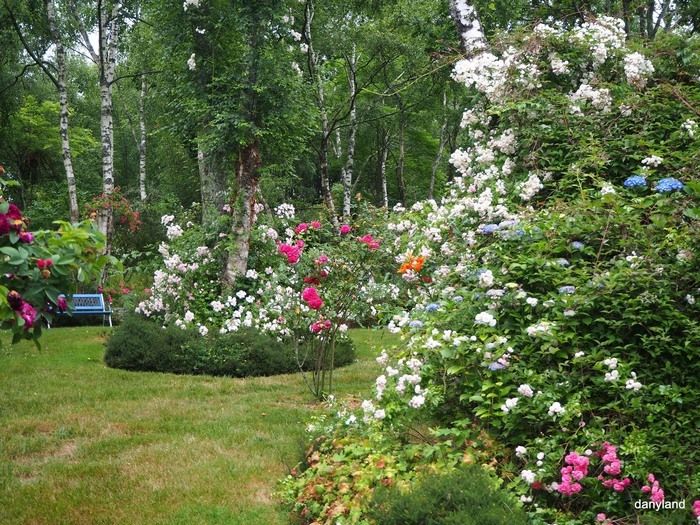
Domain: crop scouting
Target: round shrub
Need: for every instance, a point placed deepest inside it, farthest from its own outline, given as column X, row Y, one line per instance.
column 141, row 344
column 467, row 496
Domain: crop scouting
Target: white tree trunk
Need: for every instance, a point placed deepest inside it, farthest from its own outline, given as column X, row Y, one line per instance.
column 109, row 34
column 466, row 19
column 142, row 141
column 349, row 164
column 382, row 170
column 63, row 104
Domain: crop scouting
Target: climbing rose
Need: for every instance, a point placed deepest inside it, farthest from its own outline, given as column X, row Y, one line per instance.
column 44, row 264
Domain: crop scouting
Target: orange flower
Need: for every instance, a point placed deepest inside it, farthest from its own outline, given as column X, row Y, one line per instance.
column 413, row 264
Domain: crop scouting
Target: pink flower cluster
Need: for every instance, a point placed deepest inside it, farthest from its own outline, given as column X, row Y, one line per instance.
column 311, row 298
column 345, row 229
column 291, row 251
column 696, row 508
column 371, row 242
column 575, row 471
column 612, row 467
column 656, row 493
column 319, row 326
column 302, row 227
column 25, row 310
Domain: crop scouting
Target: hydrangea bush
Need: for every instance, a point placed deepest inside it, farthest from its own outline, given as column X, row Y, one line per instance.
column 551, row 329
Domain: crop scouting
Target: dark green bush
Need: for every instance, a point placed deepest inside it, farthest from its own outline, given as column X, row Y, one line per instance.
column 468, row 496
column 141, row 344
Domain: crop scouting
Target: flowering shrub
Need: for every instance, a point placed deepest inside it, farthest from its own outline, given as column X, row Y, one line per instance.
column 39, row 267
column 556, row 335
column 306, row 283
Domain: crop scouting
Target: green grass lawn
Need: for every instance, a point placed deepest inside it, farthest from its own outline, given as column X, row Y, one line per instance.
column 82, row 443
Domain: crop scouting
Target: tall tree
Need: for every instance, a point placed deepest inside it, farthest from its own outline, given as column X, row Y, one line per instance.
column 59, row 81
column 105, row 57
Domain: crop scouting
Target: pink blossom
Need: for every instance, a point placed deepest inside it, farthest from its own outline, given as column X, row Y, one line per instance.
column 316, row 225
column 601, row 517
column 28, row 313
column 301, row 228
column 26, row 237
column 293, row 253
column 696, row 508
column 318, row 326
column 654, row 489
column 62, row 303
column 311, row 298
column 322, row 259
column 371, row 242
column 345, row 229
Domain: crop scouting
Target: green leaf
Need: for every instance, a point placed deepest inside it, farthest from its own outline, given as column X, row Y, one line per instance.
column 4, row 207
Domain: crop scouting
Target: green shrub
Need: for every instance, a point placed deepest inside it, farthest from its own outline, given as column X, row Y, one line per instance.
column 468, row 496
column 142, row 344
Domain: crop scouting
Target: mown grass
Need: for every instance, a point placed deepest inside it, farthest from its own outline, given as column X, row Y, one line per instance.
column 84, row 444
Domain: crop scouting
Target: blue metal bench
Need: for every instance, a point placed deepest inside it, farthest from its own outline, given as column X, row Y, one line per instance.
column 90, row 304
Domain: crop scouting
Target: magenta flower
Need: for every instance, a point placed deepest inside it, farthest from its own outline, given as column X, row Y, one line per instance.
column 28, row 313
column 696, row 508
column 371, row 242
column 26, row 237
column 345, row 229
column 322, row 259
column 292, row 253
column 301, row 228
column 319, row 326
column 316, row 225
column 62, row 303
column 44, row 264
column 311, row 298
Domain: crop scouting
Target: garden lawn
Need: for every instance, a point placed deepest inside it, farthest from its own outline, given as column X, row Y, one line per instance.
column 84, row 444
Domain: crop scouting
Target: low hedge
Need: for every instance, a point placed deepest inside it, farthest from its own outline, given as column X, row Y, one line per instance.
column 141, row 344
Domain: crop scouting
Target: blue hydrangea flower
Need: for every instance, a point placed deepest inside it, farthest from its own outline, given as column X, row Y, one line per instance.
column 563, row 262
column 668, row 185
column 432, row 307
column 567, row 289
column 496, row 366
column 635, row 181
column 577, row 245
column 416, row 323
column 488, row 229
column 458, row 298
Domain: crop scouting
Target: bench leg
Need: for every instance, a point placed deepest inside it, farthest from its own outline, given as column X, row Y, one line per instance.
column 110, row 320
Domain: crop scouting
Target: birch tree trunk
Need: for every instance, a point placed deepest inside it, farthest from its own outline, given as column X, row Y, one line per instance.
column 63, row 104
column 248, row 178
column 320, row 98
column 142, row 141
column 471, row 34
column 383, row 155
column 347, row 172
column 109, row 33
column 106, row 59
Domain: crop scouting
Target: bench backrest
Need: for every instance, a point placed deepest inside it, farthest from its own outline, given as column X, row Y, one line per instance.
column 88, row 302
